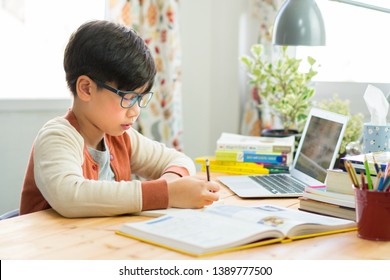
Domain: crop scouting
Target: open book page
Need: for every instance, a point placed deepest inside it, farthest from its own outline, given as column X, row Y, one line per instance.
column 198, row 232
column 221, row 228
column 168, row 211
column 289, row 221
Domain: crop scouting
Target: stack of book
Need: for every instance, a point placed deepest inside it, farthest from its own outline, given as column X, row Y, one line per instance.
column 239, row 168
column 375, row 167
column 338, row 181
column 246, row 155
column 335, row 199
column 376, row 161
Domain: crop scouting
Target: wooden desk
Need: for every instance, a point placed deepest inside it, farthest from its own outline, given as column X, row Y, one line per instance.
column 47, row 235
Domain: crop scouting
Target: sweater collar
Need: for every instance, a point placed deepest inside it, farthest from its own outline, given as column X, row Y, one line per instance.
column 71, row 118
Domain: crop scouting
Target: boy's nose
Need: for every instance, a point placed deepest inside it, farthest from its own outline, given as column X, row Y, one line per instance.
column 133, row 110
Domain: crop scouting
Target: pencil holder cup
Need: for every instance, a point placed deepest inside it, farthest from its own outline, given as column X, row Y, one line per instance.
column 376, row 138
column 373, row 214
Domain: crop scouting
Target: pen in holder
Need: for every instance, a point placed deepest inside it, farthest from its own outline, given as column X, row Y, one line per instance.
column 373, row 214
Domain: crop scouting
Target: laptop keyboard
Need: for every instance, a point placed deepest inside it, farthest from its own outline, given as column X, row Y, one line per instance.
column 280, row 183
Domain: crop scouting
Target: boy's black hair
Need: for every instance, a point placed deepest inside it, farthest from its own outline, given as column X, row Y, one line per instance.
column 109, row 52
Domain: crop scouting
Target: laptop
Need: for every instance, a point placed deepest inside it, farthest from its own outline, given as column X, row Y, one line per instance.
column 317, row 151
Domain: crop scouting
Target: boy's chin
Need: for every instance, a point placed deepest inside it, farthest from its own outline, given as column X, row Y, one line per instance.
column 116, row 133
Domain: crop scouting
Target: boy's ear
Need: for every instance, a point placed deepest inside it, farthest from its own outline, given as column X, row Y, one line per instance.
column 84, row 87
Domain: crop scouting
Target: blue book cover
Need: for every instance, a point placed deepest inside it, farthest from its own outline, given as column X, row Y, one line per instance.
column 251, row 156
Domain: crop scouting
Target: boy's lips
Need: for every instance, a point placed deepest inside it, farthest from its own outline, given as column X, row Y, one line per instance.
column 131, row 122
column 126, row 126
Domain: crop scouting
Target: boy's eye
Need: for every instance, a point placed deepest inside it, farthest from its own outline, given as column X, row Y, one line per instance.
column 129, row 99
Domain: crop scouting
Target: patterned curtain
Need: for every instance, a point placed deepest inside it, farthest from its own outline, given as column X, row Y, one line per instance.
column 156, row 21
column 255, row 119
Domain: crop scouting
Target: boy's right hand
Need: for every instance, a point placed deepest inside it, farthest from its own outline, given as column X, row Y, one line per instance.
column 192, row 192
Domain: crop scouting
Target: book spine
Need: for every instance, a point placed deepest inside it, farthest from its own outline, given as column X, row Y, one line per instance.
column 249, row 156
column 237, row 170
column 252, row 165
column 234, row 167
column 264, row 158
column 281, row 149
column 267, row 148
column 337, row 201
column 249, row 147
column 277, row 170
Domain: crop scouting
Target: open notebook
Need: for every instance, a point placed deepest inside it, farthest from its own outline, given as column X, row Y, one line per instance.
column 317, row 151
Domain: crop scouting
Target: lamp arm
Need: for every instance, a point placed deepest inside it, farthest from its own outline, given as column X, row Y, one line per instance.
column 364, row 5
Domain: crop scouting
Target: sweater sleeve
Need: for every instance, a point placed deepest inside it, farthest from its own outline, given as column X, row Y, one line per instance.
column 151, row 159
column 58, row 157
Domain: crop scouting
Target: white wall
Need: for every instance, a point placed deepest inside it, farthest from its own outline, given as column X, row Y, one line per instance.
column 20, row 121
column 211, row 99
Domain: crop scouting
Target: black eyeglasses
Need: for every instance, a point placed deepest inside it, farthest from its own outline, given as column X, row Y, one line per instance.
column 128, row 98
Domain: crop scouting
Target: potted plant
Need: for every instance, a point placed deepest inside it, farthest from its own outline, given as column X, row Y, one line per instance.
column 354, row 127
column 282, row 85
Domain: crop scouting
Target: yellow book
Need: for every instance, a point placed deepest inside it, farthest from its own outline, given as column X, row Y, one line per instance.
column 238, row 168
column 224, row 228
column 231, row 167
column 213, row 160
column 235, row 170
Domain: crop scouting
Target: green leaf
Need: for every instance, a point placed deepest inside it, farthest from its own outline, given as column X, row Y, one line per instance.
column 311, row 60
column 257, row 50
column 246, row 60
column 286, row 89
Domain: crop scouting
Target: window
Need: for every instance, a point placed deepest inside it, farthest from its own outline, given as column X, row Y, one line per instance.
column 358, row 44
column 34, row 34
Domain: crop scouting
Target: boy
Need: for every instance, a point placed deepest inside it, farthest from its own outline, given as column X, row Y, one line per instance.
column 81, row 164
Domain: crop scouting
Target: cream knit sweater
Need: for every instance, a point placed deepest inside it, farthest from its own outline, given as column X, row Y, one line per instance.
column 58, row 157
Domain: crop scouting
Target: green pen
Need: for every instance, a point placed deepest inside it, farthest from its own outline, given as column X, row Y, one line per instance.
column 368, row 175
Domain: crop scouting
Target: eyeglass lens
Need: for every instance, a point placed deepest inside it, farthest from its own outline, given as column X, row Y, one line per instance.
column 129, row 99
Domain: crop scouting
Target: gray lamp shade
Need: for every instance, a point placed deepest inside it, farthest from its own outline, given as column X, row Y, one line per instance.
column 299, row 23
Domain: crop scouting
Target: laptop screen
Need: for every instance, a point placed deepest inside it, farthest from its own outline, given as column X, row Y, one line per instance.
column 317, row 150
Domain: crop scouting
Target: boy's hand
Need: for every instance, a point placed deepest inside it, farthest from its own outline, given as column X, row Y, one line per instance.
column 192, row 192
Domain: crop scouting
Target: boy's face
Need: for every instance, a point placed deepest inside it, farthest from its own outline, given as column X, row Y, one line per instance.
column 106, row 113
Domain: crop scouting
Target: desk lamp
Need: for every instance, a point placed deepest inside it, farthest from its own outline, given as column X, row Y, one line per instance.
column 300, row 23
